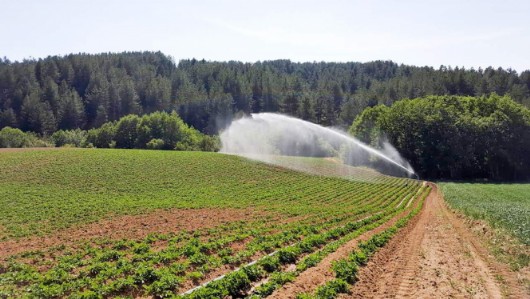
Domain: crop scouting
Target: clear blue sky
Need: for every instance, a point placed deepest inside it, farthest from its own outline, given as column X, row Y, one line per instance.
column 456, row 33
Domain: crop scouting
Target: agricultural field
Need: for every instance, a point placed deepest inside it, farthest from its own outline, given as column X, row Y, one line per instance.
column 504, row 206
column 87, row 223
column 500, row 215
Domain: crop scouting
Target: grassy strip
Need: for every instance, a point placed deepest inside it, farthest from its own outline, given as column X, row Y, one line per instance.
column 503, row 206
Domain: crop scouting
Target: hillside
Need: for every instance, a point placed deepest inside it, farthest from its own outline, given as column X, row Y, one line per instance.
column 85, row 91
column 42, row 191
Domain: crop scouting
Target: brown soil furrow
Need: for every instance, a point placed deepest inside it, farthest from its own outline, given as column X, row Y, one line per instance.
column 404, row 278
column 316, row 276
column 434, row 257
column 132, row 227
column 375, row 277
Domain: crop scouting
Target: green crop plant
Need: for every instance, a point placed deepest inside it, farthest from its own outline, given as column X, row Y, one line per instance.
column 503, row 205
column 298, row 219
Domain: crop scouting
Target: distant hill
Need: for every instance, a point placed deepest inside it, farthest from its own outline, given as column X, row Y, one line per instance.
column 85, row 91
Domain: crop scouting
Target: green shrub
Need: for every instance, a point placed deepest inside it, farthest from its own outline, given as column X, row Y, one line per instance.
column 88, row 294
column 164, row 285
column 155, row 144
column 158, row 130
column 15, row 138
column 209, row 292
column 281, row 278
column 359, row 258
column 76, row 138
column 266, row 289
column 103, row 137
column 210, row 143
column 144, row 274
column 308, row 262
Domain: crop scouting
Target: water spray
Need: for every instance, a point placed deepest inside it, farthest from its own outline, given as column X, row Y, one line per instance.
column 265, row 136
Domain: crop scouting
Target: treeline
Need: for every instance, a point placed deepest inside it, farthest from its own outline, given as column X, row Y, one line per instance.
column 85, row 91
column 158, row 130
column 453, row 137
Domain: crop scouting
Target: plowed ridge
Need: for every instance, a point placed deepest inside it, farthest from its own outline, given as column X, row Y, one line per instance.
column 435, row 257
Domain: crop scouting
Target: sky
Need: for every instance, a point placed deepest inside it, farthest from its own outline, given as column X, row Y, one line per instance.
column 463, row 33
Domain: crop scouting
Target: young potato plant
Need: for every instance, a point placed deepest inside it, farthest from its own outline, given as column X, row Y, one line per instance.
column 346, row 269
column 297, row 219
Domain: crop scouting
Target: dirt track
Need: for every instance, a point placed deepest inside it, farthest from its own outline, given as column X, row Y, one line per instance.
column 435, row 256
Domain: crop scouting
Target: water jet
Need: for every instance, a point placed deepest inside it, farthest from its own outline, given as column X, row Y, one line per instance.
column 269, row 136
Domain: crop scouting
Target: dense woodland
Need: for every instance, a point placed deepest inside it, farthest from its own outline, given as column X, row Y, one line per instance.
column 85, row 91
column 454, row 137
column 88, row 100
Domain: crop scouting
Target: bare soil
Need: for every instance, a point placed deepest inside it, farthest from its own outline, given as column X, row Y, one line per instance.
column 131, row 227
column 435, row 256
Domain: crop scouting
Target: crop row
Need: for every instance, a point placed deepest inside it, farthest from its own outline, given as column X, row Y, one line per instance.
column 126, row 265
column 346, row 269
column 304, row 255
column 41, row 193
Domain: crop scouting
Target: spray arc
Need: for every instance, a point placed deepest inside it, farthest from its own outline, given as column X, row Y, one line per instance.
column 264, row 136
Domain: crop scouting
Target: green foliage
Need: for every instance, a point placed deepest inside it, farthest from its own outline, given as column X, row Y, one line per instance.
column 127, row 129
column 84, row 91
column 8, row 118
column 253, row 272
column 270, row 263
column 288, row 255
column 103, row 137
column 165, row 284
column 208, row 292
column 359, row 257
column 368, row 126
column 155, row 144
column 158, row 130
column 345, row 270
column 75, row 138
column 454, row 137
column 276, row 280
column 15, row 138
column 237, row 283
column 332, row 289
